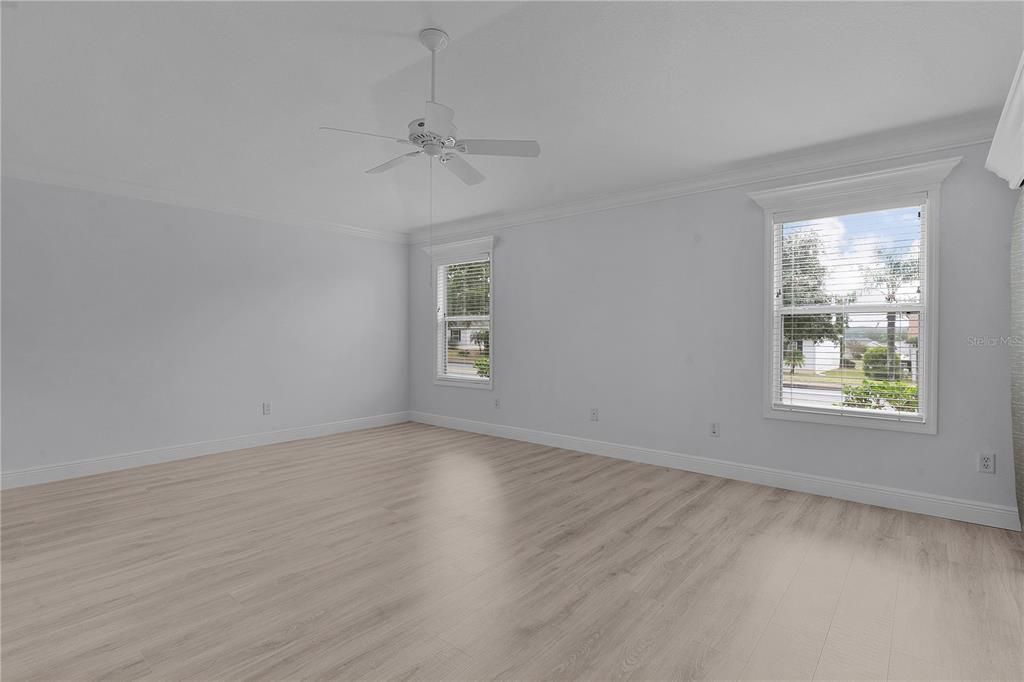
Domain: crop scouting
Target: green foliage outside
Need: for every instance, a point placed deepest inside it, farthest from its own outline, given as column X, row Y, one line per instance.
column 469, row 289
column 877, row 395
column 482, row 338
column 793, row 356
column 483, row 366
column 894, row 270
column 880, row 365
column 803, row 283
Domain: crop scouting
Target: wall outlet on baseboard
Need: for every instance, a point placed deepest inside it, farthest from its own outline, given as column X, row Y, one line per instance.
column 497, row 403
column 987, row 463
column 265, row 408
column 594, row 416
column 715, row 429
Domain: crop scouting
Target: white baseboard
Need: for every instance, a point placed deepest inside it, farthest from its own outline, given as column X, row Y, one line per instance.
column 881, row 496
column 127, row 460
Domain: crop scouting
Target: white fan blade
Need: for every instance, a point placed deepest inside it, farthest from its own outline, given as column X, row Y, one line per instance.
column 462, row 170
column 439, row 119
column 393, row 162
column 359, row 132
column 499, row 147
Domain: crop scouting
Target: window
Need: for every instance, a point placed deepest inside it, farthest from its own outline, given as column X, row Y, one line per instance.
column 463, row 279
column 850, row 316
column 847, row 312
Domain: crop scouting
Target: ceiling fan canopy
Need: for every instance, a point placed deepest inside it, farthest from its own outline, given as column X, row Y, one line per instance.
column 435, row 136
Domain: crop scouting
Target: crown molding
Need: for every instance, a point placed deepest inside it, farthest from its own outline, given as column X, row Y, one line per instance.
column 890, row 145
column 118, row 188
column 899, row 143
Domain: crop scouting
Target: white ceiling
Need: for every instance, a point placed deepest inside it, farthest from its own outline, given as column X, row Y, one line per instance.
column 217, row 104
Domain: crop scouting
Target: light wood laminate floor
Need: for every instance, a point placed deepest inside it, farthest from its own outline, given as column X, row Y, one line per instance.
column 417, row 552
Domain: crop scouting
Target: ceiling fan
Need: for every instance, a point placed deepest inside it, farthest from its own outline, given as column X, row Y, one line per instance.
column 434, row 135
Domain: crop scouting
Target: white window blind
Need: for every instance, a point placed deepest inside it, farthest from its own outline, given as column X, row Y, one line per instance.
column 849, row 317
column 464, row 321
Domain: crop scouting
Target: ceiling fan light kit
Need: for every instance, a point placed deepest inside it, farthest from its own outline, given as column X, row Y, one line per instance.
column 435, row 134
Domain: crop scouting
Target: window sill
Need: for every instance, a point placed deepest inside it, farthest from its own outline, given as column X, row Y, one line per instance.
column 464, row 383
column 813, row 416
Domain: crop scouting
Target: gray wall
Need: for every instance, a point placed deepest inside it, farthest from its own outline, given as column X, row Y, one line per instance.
column 130, row 325
column 654, row 314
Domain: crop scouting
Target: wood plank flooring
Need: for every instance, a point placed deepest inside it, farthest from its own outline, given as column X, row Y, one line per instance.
column 417, row 552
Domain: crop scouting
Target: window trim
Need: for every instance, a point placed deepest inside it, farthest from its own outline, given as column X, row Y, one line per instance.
column 877, row 190
column 449, row 254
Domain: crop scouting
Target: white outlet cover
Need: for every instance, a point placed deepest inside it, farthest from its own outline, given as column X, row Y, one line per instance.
column 991, row 469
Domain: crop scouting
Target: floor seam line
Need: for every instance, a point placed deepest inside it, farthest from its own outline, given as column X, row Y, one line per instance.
column 775, row 609
column 895, row 610
column 835, row 610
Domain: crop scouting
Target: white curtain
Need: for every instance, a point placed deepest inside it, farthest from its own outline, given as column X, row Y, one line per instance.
column 1017, row 348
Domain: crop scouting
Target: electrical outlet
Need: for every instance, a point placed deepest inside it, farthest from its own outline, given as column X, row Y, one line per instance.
column 497, row 403
column 266, row 409
column 715, row 430
column 987, row 463
column 594, row 414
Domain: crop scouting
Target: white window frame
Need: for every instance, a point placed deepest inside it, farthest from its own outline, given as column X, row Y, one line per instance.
column 918, row 184
column 449, row 254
